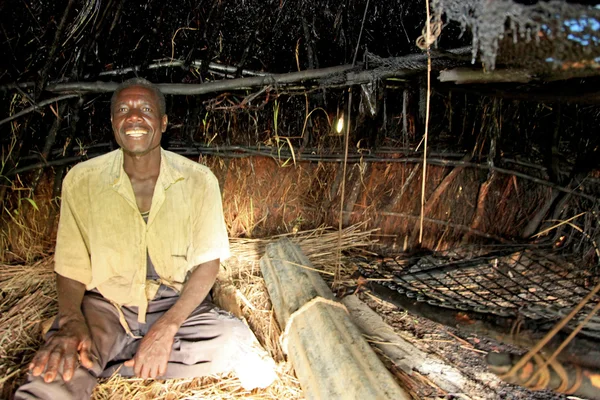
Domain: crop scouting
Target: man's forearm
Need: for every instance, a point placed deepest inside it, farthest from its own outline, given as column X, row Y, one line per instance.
column 193, row 293
column 70, row 296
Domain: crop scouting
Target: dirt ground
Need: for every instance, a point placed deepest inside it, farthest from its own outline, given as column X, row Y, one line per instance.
column 464, row 352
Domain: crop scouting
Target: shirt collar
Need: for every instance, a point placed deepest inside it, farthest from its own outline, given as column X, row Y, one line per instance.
column 167, row 176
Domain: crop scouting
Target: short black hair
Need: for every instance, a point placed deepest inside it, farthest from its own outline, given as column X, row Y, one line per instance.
column 145, row 84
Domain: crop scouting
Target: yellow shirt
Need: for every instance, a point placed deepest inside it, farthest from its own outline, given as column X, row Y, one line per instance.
column 103, row 240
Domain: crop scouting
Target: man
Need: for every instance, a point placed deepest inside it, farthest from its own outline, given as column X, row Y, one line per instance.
column 140, row 240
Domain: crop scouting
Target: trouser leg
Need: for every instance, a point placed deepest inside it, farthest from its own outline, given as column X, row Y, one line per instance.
column 210, row 341
column 108, row 338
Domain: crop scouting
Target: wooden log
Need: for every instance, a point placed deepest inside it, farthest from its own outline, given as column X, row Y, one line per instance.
column 404, row 354
column 331, row 358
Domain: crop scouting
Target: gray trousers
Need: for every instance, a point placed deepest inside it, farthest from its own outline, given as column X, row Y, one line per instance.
column 208, row 342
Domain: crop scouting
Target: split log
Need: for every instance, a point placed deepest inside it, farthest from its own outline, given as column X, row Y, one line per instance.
column 331, row 358
column 402, row 353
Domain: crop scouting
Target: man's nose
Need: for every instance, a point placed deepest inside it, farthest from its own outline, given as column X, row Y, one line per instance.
column 134, row 115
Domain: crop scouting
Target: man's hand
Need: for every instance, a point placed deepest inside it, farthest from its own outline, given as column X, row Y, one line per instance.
column 153, row 354
column 70, row 342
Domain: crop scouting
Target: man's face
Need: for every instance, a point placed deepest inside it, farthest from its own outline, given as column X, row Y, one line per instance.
column 136, row 120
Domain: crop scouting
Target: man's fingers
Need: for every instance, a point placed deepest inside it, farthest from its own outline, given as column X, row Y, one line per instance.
column 56, row 357
column 154, row 372
column 69, row 367
column 129, row 363
column 85, row 356
column 137, row 368
column 38, row 364
column 162, row 369
column 144, row 372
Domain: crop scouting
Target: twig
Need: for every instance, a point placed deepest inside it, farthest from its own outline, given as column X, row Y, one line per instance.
column 473, row 349
column 362, row 25
column 425, row 136
column 341, row 217
column 463, row 341
column 43, row 74
column 38, row 106
column 557, row 225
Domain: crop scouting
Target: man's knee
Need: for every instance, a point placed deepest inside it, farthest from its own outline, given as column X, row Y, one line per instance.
column 80, row 386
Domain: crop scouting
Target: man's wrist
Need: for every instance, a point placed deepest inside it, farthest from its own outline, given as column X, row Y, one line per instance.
column 70, row 317
column 168, row 325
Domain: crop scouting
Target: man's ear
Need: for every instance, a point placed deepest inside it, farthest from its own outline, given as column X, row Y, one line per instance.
column 165, row 122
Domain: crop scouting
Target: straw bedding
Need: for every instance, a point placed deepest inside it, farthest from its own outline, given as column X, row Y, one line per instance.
column 28, row 301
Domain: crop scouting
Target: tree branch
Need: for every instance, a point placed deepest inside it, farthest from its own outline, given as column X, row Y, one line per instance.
column 331, row 76
column 37, row 106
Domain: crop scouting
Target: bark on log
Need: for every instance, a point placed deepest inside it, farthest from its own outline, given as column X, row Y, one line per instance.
column 330, row 356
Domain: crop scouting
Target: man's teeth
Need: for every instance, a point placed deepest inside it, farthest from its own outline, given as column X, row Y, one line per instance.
column 136, row 132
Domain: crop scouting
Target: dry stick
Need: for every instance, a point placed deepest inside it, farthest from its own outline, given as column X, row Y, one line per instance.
column 557, row 225
column 535, row 349
column 480, row 208
column 38, row 106
column 234, row 152
column 392, row 204
column 341, row 216
column 346, row 140
column 41, row 83
column 360, row 32
column 566, row 341
column 426, row 124
column 50, row 139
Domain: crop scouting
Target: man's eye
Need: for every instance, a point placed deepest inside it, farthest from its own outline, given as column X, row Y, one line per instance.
column 122, row 109
column 146, row 109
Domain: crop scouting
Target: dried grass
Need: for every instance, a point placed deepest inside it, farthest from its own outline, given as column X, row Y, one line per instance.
column 24, row 235
column 28, row 299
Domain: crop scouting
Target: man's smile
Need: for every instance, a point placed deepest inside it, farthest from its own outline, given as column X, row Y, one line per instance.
column 136, row 132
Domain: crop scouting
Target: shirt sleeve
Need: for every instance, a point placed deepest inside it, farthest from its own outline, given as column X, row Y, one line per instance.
column 72, row 257
column 210, row 240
